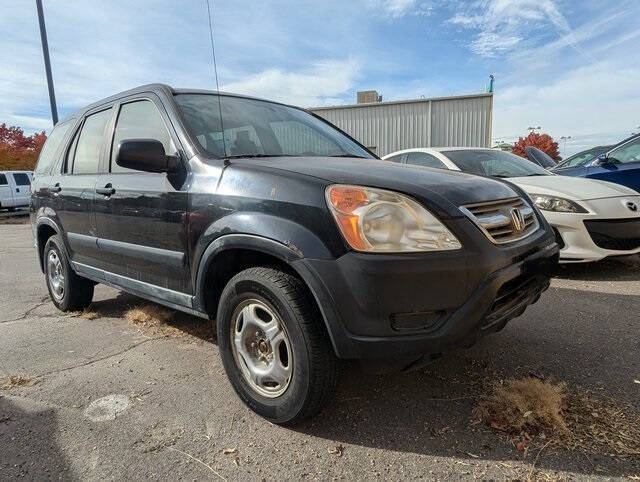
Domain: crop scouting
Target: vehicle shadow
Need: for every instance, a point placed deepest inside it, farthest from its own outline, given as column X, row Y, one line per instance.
column 28, row 444
column 624, row 268
column 429, row 412
column 117, row 307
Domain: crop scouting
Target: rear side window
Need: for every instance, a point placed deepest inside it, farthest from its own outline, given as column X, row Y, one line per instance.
column 50, row 148
column 21, row 179
column 139, row 120
column 3, row 179
column 87, row 146
column 396, row 158
column 424, row 159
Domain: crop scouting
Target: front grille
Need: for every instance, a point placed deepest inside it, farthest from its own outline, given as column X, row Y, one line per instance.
column 500, row 220
column 615, row 234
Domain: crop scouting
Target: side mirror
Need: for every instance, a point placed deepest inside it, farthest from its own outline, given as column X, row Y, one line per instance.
column 145, row 155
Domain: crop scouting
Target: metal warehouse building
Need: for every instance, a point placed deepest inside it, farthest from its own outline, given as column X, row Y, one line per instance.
column 385, row 127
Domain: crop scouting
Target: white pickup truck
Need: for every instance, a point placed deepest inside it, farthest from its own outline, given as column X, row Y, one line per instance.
column 15, row 189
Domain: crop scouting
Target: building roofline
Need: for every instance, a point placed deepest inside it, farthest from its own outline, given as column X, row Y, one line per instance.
column 395, row 102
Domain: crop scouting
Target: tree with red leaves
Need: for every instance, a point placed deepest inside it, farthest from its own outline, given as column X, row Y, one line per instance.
column 544, row 142
column 17, row 151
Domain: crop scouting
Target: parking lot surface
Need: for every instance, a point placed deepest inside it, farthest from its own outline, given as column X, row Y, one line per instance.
column 108, row 399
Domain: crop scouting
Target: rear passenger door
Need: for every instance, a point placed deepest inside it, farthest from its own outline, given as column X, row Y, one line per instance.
column 74, row 187
column 141, row 220
column 22, row 188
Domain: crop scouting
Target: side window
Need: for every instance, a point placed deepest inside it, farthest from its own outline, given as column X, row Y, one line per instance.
column 51, row 146
column 424, row 159
column 3, row 180
column 630, row 152
column 87, row 146
column 21, row 179
column 139, row 120
column 397, row 158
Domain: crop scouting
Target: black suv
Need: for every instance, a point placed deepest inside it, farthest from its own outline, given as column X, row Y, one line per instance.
column 302, row 245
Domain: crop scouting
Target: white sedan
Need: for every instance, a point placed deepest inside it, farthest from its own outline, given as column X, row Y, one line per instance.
column 592, row 219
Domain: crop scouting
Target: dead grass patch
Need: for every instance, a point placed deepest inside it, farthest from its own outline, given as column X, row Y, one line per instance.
column 157, row 321
column 13, row 381
column 530, row 407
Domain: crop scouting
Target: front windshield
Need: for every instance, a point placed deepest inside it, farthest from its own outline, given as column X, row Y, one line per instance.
column 255, row 128
column 492, row 162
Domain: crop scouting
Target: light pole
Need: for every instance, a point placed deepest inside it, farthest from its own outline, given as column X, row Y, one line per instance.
column 564, row 138
column 533, row 129
column 47, row 63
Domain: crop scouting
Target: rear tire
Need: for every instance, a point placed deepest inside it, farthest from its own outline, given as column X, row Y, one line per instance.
column 67, row 290
column 274, row 346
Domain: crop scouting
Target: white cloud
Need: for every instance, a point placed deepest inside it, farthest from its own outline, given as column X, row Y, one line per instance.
column 322, row 83
column 400, row 8
column 502, row 25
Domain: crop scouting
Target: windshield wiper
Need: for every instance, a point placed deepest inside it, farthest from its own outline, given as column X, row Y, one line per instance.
column 241, row 156
column 349, row 155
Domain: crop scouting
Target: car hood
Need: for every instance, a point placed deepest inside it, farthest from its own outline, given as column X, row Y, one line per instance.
column 574, row 188
column 438, row 189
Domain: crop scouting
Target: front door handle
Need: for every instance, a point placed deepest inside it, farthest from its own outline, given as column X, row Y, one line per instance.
column 108, row 190
column 17, row 189
column 56, row 189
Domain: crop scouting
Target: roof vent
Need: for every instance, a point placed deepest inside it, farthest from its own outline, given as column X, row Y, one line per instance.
column 368, row 97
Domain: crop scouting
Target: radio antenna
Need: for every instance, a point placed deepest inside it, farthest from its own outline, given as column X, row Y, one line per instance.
column 215, row 75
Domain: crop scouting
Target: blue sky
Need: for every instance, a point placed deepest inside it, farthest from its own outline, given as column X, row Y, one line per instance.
column 572, row 67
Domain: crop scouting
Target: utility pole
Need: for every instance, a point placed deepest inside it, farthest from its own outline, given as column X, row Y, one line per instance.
column 47, row 63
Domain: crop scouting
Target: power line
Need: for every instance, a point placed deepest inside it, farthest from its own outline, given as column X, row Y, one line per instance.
column 215, row 74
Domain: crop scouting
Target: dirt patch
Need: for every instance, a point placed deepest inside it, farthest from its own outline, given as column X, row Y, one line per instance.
column 87, row 314
column 530, row 409
column 13, row 381
column 157, row 321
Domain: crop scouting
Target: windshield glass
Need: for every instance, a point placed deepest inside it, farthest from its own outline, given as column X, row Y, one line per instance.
column 256, row 128
column 490, row 162
column 582, row 158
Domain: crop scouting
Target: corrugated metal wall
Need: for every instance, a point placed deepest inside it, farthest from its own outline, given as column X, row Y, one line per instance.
column 392, row 126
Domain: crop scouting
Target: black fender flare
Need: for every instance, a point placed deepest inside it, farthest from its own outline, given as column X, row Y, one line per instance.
column 45, row 221
column 285, row 253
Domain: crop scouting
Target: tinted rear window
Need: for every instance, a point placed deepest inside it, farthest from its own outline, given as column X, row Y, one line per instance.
column 51, row 146
column 21, row 179
column 3, row 179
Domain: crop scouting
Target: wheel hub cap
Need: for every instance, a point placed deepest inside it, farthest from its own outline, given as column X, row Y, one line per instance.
column 261, row 348
column 56, row 275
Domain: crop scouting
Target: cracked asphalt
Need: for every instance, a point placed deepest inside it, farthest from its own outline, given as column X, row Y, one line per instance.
column 110, row 400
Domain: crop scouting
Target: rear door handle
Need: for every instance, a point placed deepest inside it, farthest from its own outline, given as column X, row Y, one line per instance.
column 17, row 189
column 56, row 189
column 108, row 190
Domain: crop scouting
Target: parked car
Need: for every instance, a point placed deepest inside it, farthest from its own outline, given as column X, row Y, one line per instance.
column 583, row 157
column 592, row 219
column 301, row 244
column 15, row 189
column 539, row 157
column 620, row 164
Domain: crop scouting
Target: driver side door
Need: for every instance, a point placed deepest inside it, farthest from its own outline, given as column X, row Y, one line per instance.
column 141, row 216
column 626, row 169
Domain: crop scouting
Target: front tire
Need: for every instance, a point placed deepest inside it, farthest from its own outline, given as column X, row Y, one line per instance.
column 67, row 290
column 274, row 347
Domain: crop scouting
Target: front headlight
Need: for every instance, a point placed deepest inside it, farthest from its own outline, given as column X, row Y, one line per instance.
column 375, row 220
column 556, row 204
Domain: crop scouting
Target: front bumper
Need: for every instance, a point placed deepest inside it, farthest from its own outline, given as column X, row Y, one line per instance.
column 579, row 245
column 409, row 305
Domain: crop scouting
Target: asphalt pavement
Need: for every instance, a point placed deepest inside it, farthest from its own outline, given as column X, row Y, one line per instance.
column 111, row 400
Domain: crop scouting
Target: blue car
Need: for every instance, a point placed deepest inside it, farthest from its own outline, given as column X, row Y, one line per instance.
column 620, row 164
